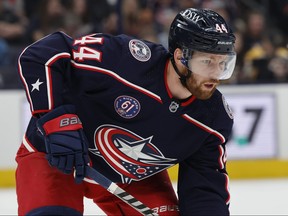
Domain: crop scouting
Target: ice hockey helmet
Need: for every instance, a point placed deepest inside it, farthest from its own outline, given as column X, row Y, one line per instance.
column 200, row 30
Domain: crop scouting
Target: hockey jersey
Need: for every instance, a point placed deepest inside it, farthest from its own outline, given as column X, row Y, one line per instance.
column 134, row 126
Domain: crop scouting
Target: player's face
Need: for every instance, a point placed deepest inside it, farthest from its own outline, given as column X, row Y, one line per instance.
column 201, row 87
column 212, row 66
column 207, row 69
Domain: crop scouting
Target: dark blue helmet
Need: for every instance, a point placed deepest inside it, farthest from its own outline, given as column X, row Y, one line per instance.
column 200, row 30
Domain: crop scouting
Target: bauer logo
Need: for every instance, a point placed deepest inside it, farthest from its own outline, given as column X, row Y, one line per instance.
column 127, row 106
column 139, row 50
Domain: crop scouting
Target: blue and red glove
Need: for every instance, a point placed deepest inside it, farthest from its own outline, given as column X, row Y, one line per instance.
column 65, row 141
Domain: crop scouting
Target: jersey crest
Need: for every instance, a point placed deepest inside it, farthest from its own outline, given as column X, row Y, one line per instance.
column 130, row 155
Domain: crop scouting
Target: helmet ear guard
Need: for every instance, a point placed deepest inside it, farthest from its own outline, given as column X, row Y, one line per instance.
column 186, row 55
column 184, row 61
column 182, row 77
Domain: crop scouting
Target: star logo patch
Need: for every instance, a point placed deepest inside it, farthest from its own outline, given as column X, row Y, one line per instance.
column 36, row 85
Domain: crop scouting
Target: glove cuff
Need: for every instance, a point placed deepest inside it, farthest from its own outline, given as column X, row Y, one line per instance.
column 62, row 118
column 67, row 122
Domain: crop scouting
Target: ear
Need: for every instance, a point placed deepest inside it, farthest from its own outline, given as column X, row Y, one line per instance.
column 178, row 54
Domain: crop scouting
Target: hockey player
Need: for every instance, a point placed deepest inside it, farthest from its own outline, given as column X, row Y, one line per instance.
column 131, row 109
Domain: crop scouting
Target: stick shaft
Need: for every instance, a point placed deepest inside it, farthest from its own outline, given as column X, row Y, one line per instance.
column 119, row 192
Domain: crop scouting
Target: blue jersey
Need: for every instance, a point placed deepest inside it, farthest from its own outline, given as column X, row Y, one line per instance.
column 134, row 126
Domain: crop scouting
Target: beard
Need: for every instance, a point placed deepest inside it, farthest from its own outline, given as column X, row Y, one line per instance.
column 200, row 87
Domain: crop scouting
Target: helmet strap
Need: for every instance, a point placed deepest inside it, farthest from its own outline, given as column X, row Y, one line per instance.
column 182, row 78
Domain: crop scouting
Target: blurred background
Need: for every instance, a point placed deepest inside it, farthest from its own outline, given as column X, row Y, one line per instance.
column 257, row 92
column 260, row 27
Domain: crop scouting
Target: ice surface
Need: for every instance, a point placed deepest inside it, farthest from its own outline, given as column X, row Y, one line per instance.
column 248, row 197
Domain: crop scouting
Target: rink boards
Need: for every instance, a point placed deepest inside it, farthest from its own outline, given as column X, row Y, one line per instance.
column 258, row 147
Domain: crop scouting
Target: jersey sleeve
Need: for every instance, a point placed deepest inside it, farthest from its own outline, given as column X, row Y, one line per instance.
column 44, row 69
column 203, row 182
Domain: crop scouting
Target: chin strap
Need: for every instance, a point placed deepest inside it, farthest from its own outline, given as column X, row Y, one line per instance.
column 182, row 78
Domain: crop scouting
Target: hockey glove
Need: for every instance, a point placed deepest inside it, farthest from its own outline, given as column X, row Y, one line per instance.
column 65, row 142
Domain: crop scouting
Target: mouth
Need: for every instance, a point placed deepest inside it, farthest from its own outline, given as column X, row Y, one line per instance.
column 209, row 85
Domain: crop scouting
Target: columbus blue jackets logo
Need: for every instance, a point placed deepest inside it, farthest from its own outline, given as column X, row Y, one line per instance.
column 139, row 50
column 131, row 156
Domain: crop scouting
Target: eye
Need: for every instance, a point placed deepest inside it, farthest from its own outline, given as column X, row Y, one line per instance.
column 206, row 61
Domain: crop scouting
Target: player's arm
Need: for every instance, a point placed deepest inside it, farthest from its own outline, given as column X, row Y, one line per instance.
column 203, row 183
column 44, row 70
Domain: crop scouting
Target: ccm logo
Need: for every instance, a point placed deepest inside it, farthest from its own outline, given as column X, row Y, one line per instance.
column 70, row 121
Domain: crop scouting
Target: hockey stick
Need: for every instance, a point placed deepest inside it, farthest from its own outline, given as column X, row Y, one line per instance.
column 118, row 191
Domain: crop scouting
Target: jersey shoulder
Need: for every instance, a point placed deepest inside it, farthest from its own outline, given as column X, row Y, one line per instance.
column 133, row 50
column 122, row 54
column 48, row 46
column 219, row 112
column 218, row 104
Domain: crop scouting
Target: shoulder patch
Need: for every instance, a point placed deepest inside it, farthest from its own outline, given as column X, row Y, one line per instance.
column 139, row 50
column 227, row 108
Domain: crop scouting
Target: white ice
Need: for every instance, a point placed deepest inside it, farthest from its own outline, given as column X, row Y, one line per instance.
column 248, row 197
